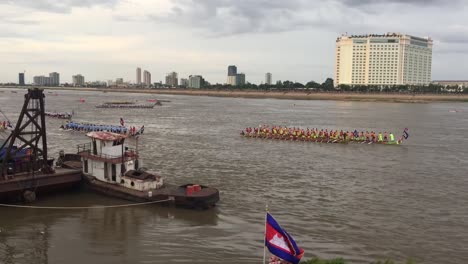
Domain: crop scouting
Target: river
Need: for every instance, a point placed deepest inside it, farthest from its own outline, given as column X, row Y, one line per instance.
column 357, row 201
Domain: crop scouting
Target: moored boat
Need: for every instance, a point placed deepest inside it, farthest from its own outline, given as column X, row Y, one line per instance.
column 111, row 168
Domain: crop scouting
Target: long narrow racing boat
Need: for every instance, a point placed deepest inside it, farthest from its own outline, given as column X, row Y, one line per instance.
column 126, row 104
column 266, row 133
column 65, row 115
column 88, row 127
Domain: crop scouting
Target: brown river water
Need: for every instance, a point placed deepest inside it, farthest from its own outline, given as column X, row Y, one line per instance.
column 357, row 201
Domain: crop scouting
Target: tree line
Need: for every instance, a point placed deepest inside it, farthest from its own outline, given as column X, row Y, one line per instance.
column 328, row 86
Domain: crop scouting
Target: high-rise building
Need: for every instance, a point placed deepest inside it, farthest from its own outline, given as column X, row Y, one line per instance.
column 78, row 80
column 268, row 78
column 184, row 82
column 232, row 75
column 146, row 78
column 232, row 79
column 172, row 79
column 42, row 80
column 138, row 76
column 240, row 79
column 54, row 79
column 119, row 81
column 196, row 81
column 21, row 79
column 389, row 59
column 232, row 70
column 235, row 78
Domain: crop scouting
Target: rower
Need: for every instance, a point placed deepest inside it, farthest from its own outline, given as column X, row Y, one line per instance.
column 392, row 138
column 380, row 137
column 385, row 138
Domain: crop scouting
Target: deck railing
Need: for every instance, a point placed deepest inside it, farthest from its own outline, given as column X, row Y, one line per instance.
column 85, row 150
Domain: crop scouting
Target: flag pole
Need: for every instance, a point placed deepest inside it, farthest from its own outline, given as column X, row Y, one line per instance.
column 264, row 235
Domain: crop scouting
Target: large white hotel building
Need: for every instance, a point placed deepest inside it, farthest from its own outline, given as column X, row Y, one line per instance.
column 390, row 59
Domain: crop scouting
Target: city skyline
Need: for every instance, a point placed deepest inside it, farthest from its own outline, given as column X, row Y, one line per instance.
column 36, row 37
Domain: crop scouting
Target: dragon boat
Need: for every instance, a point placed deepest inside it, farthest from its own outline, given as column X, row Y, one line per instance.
column 65, row 115
column 128, row 104
column 327, row 140
column 88, row 127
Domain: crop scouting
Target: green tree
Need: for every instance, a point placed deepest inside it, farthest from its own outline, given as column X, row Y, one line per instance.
column 328, row 85
column 313, row 85
column 345, row 87
column 298, row 85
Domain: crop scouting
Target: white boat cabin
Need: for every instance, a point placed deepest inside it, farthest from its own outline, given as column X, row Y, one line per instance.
column 107, row 159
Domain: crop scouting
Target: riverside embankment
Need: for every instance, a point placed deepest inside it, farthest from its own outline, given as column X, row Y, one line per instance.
column 291, row 95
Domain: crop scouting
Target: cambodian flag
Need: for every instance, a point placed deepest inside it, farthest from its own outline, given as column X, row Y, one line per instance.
column 405, row 133
column 280, row 243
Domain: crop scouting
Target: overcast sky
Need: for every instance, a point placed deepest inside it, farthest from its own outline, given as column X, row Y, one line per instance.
column 292, row 39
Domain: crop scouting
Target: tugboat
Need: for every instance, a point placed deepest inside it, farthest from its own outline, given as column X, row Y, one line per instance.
column 112, row 168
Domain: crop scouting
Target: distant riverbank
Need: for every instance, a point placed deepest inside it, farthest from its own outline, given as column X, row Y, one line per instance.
column 294, row 95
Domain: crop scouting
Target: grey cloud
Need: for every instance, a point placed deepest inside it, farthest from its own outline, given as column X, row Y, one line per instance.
column 11, row 34
column 405, row 2
column 453, row 38
column 17, row 21
column 456, row 34
column 58, row 6
column 230, row 17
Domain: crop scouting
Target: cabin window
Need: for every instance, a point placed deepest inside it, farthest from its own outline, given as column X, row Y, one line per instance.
column 122, row 182
column 133, row 184
column 106, row 171
column 86, row 166
column 94, row 147
column 117, row 142
column 114, row 172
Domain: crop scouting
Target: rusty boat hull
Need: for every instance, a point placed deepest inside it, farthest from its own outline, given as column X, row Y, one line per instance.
column 169, row 194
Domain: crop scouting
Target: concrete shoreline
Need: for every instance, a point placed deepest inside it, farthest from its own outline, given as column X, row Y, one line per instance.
column 291, row 95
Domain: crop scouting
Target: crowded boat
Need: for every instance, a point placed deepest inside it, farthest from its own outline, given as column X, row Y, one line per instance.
column 323, row 135
column 127, row 104
column 89, row 127
column 5, row 125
